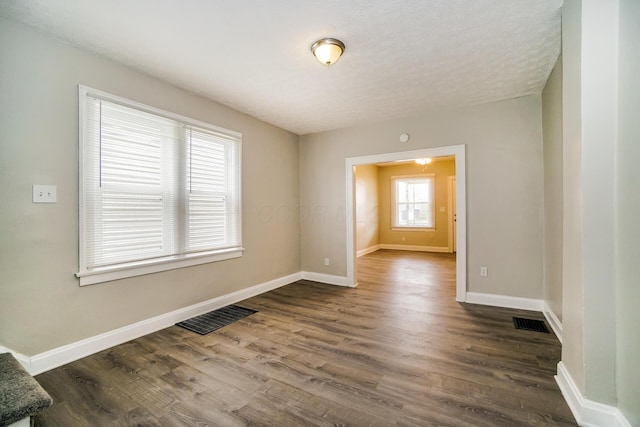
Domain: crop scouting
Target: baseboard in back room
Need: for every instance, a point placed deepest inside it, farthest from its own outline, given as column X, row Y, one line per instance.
column 368, row 250
column 416, row 248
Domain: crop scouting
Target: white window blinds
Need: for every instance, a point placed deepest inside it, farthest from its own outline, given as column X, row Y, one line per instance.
column 153, row 188
column 413, row 207
column 213, row 212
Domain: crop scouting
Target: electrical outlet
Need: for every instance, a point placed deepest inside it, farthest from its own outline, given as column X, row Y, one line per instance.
column 484, row 272
column 44, row 193
column 326, row 261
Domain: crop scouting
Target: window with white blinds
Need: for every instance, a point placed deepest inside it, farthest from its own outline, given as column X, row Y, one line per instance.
column 413, row 201
column 157, row 190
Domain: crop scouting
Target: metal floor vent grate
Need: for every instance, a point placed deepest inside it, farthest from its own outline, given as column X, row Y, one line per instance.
column 530, row 324
column 216, row 319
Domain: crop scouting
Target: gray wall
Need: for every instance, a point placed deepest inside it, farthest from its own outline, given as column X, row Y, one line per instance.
column 41, row 304
column 599, row 85
column 600, row 259
column 572, row 291
column 504, row 188
column 628, row 179
column 552, row 147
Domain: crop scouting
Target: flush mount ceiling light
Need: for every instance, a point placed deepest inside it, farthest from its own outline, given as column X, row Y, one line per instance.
column 327, row 50
column 424, row 161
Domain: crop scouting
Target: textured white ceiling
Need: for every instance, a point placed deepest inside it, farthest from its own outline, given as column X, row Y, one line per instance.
column 402, row 56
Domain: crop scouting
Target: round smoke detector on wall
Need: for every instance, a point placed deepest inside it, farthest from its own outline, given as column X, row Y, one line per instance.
column 404, row 137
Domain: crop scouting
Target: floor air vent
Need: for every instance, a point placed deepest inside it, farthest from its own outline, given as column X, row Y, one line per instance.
column 530, row 324
column 216, row 319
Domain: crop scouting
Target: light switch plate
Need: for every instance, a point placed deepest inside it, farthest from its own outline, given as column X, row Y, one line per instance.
column 44, row 193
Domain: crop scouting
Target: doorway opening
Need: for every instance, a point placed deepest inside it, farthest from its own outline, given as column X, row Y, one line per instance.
column 459, row 242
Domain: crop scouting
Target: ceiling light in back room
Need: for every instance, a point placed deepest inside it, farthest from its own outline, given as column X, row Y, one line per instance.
column 424, row 161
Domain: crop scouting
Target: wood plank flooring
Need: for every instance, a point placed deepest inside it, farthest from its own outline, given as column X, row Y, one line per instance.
column 395, row 351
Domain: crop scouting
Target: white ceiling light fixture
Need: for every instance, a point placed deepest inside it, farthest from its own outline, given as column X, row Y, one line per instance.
column 424, row 161
column 327, row 50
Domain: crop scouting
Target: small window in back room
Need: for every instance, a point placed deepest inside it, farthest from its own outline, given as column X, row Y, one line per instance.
column 413, row 201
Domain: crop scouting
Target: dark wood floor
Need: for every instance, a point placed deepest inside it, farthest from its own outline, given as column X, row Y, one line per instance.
column 396, row 350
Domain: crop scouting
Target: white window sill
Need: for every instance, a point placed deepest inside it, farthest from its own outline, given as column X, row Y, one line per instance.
column 396, row 228
column 108, row 274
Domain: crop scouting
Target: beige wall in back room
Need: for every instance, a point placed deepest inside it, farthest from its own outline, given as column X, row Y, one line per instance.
column 504, row 188
column 41, row 303
column 437, row 237
column 367, row 211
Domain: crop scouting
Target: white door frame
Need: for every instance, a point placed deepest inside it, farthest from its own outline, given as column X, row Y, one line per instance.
column 458, row 151
column 451, row 214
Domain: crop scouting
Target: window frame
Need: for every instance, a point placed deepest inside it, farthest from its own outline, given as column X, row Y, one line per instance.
column 394, row 203
column 184, row 259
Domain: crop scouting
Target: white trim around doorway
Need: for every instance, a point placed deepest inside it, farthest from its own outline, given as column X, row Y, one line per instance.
column 458, row 151
column 450, row 214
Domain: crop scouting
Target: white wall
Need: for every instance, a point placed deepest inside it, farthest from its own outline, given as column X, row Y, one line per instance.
column 41, row 303
column 552, row 147
column 504, row 203
column 628, row 214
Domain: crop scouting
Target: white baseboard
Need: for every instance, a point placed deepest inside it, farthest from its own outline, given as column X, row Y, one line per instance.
column 368, row 250
column 553, row 320
column 416, row 248
column 504, row 301
column 325, row 278
column 587, row 412
column 68, row 353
